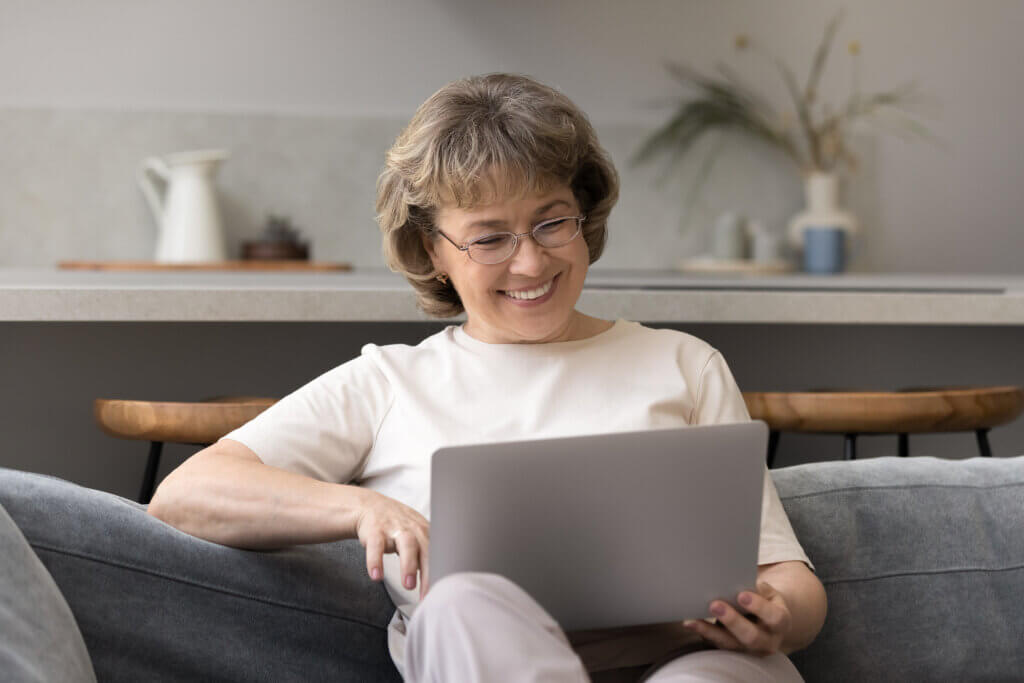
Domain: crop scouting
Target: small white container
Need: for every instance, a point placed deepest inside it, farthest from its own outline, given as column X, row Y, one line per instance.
column 729, row 237
column 765, row 247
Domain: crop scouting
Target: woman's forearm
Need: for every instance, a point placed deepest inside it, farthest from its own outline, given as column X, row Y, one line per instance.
column 225, row 494
column 804, row 596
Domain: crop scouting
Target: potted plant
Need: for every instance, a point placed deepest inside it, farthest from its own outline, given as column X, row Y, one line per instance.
column 280, row 241
column 814, row 135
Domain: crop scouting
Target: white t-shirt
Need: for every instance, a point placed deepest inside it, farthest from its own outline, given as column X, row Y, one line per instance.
column 377, row 419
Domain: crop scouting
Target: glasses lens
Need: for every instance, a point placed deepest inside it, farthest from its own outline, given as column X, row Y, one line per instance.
column 555, row 233
column 492, row 248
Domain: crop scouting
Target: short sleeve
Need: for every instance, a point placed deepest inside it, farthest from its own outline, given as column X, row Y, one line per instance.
column 718, row 398
column 326, row 428
column 720, row 401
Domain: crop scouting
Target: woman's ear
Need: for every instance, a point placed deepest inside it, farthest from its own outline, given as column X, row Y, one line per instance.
column 430, row 246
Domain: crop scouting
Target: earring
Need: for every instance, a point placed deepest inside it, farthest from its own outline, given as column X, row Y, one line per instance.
column 442, row 278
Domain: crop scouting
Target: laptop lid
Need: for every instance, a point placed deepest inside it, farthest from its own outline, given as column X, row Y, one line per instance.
column 606, row 530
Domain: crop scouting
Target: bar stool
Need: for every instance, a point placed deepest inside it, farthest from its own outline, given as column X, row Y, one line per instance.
column 902, row 412
column 199, row 423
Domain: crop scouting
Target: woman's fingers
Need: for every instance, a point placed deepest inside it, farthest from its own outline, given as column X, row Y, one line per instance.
column 375, row 547
column 424, row 564
column 391, row 527
column 716, row 635
column 409, row 553
column 746, row 632
column 773, row 616
column 760, row 630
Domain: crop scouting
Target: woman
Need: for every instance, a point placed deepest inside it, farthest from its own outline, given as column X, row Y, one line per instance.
column 494, row 201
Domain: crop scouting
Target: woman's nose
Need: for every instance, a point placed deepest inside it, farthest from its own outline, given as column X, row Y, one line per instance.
column 529, row 257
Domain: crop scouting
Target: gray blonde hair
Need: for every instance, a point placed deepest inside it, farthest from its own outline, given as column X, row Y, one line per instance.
column 477, row 140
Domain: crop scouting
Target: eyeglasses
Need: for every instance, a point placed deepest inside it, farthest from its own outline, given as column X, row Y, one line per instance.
column 499, row 246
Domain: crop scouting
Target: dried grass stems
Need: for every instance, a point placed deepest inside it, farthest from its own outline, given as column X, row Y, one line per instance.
column 814, row 135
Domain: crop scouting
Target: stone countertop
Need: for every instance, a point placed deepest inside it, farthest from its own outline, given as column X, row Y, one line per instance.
column 49, row 294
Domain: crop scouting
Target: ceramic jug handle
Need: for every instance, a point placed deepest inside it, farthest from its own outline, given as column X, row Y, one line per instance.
column 153, row 170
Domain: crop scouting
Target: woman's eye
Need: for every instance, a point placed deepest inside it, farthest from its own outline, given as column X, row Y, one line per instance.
column 553, row 225
column 492, row 241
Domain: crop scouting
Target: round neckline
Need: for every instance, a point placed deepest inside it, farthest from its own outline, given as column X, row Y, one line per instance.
column 463, row 338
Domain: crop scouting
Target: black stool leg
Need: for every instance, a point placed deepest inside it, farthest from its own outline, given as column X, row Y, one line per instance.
column 850, row 447
column 986, row 451
column 904, row 445
column 149, row 477
column 773, row 445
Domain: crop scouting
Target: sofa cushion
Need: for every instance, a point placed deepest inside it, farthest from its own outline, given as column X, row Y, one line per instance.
column 156, row 604
column 923, row 563
column 41, row 641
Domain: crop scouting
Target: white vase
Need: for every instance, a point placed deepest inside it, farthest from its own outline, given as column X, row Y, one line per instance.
column 822, row 211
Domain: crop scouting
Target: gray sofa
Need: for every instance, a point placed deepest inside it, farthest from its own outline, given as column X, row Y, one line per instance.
column 923, row 561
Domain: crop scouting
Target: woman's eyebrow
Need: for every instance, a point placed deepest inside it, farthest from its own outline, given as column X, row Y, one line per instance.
column 501, row 222
column 549, row 206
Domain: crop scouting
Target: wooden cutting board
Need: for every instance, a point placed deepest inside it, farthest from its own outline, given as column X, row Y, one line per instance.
column 297, row 266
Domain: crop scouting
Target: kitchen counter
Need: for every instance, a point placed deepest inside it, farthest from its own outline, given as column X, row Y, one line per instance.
column 47, row 294
column 70, row 337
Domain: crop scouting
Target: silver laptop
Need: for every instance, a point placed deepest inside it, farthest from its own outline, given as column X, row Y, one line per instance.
column 606, row 530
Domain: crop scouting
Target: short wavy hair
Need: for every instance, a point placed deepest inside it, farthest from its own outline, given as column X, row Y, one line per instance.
column 477, row 140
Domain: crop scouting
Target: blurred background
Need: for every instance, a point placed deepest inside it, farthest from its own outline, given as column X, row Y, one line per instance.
column 308, row 94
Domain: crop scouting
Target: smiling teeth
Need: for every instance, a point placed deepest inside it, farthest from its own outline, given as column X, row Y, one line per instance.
column 529, row 294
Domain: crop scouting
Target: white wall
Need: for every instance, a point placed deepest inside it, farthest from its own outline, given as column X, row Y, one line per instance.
column 89, row 88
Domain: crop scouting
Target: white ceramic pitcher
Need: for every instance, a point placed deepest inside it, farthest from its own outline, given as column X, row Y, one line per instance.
column 180, row 190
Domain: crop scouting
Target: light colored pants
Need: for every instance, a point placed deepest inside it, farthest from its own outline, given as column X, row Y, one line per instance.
column 483, row 627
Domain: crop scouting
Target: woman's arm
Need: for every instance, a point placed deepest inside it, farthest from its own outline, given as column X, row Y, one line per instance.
column 803, row 595
column 788, row 609
column 226, row 494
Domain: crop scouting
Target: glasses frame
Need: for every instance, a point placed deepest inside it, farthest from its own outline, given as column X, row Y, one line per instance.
column 515, row 238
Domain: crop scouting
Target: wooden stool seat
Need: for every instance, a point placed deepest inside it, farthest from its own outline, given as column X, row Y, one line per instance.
column 159, row 422
column 884, row 412
column 908, row 411
column 201, row 422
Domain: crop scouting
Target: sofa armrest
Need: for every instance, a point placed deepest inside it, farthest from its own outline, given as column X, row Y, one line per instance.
column 41, row 641
column 923, row 563
column 154, row 603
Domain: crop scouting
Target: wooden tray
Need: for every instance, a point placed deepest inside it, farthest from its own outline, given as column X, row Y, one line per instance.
column 299, row 266
column 707, row 264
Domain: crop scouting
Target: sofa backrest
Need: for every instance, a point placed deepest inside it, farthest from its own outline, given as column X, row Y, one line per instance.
column 923, row 563
column 155, row 604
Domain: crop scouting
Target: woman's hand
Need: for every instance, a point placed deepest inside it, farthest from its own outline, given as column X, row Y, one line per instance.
column 760, row 629
column 388, row 526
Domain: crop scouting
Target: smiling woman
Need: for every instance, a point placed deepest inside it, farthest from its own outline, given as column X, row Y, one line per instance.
column 494, row 202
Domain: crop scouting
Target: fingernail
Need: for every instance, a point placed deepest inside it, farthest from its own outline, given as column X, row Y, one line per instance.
column 410, row 581
column 718, row 609
column 689, row 623
column 745, row 599
column 375, row 574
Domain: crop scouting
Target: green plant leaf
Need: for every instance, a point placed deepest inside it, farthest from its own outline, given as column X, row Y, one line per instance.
column 717, row 104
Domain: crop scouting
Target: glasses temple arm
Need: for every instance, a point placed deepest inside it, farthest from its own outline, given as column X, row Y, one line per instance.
column 454, row 244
